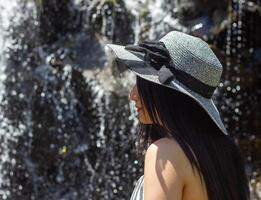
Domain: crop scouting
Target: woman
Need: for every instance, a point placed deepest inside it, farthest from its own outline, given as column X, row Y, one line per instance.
column 189, row 155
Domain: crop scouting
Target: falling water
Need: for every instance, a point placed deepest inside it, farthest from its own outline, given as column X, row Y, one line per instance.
column 8, row 133
column 149, row 18
column 57, row 118
column 240, row 97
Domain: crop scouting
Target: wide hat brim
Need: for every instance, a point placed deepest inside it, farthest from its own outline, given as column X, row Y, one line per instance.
column 140, row 67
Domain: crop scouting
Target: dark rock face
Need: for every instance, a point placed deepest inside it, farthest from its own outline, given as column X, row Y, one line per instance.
column 112, row 20
column 69, row 130
column 57, row 18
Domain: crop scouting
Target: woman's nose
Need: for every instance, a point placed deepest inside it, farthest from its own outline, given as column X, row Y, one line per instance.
column 133, row 94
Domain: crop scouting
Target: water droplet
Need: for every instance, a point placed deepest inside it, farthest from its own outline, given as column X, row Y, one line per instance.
column 228, row 88
column 63, row 150
column 13, row 93
column 21, row 96
column 115, row 190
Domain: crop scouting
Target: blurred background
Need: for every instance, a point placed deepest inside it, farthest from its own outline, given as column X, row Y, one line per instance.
column 67, row 128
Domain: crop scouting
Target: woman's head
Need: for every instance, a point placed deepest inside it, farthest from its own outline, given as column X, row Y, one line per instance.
column 178, row 61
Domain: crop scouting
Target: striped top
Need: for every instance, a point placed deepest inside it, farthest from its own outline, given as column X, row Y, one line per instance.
column 137, row 193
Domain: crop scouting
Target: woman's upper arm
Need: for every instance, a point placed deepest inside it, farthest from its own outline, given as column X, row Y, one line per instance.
column 163, row 171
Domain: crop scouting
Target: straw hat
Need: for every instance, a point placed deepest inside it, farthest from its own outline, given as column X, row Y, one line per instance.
column 190, row 67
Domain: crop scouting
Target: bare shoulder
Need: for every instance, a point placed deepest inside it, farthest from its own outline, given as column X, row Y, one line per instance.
column 164, row 143
column 163, row 170
column 166, row 147
column 169, row 149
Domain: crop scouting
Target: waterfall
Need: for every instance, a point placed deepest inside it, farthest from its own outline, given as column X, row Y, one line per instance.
column 150, row 17
column 8, row 133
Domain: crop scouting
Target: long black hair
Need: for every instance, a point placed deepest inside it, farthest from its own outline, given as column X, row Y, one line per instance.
column 213, row 154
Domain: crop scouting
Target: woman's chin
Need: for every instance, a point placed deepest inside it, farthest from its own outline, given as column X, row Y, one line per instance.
column 143, row 121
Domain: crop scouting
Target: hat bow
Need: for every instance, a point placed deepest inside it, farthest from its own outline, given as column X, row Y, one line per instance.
column 158, row 57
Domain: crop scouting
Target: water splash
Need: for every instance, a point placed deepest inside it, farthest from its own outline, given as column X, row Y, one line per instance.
column 8, row 133
column 151, row 18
